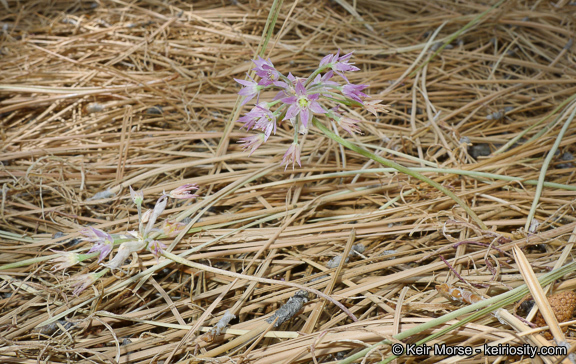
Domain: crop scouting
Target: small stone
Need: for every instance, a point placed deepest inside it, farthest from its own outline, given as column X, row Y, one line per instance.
column 102, row 195
column 567, row 156
column 335, row 262
column 94, row 107
column 523, row 309
column 54, row 327
column 479, row 150
column 155, row 110
column 69, row 242
column 186, row 220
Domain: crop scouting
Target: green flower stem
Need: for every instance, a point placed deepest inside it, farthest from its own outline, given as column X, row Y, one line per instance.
column 399, row 168
column 520, row 135
column 269, row 27
column 285, row 79
column 265, row 38
column 484, row 307
column 544, row 169
column 399, row 154
column 82, row 257
column 316, row 73
column 345, row 101
column 395, row 199
column 27, row 262
column 17, row 237
column 473, row 174
column 296, row 129
column 456, row 34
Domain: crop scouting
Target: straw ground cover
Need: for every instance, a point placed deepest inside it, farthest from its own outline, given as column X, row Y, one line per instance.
column 99, row 96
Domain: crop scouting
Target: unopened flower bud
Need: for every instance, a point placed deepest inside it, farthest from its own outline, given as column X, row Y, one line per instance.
column 137, row 197
column 183, row 192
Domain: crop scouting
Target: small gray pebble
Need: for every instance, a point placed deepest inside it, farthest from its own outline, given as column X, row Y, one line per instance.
column 155, row 110
column 479, row 150
column 567, row 156
column 126, row 341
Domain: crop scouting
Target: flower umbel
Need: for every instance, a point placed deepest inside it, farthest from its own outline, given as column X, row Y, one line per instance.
column 299, row 100
column 130, row 242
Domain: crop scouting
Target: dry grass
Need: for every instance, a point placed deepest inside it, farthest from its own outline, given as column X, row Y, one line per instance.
column 98, row 96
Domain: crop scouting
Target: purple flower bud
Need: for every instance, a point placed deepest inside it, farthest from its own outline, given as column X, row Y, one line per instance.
column 137, row 197
column 354, row 92
column 183, row 192
column 350, row 125
column 339, row 64
column 104, row 249
column 66, row 259
column 330, row 58
column 267, row 72
column 250, row 90
column 260, row 117
column 253, row 142
column 292, row 155
column 156, row 248
column 84, row 281
column 323, row 82
column 94, row 235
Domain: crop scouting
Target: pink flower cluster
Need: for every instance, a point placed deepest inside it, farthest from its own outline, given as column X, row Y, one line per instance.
column 298, row 101
column 131, row 242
